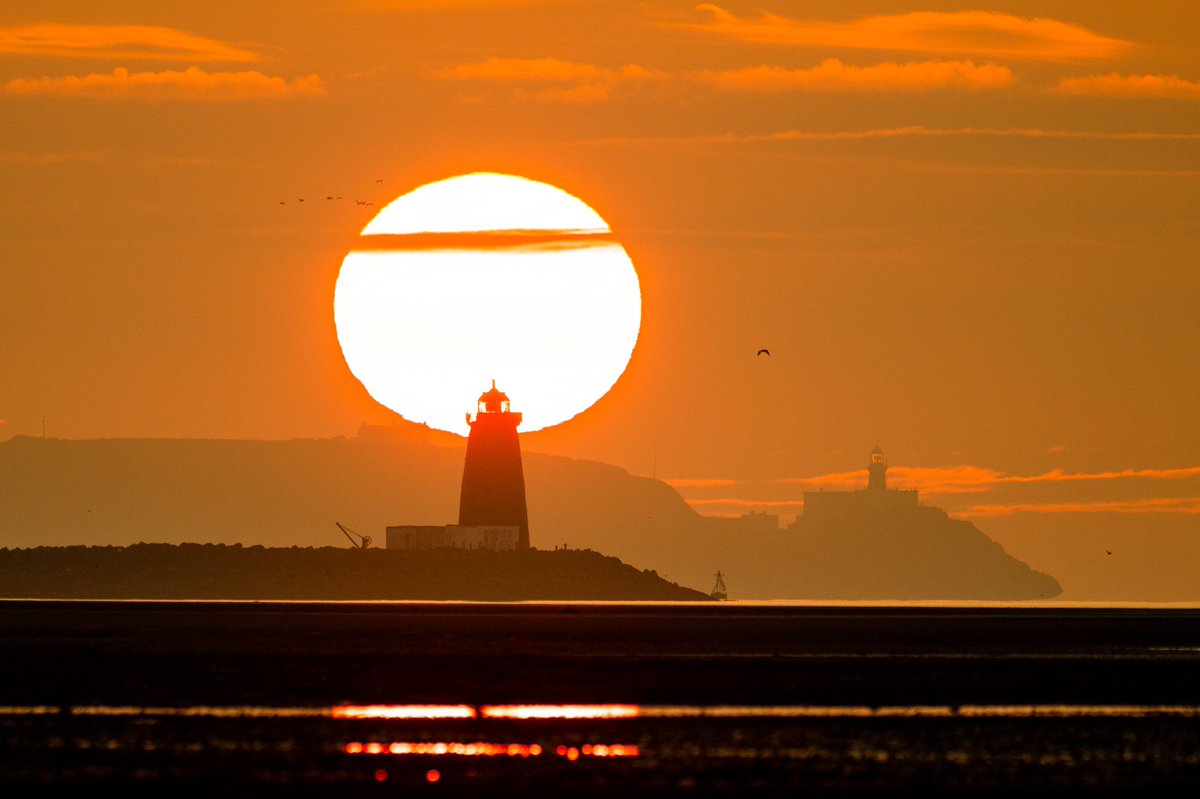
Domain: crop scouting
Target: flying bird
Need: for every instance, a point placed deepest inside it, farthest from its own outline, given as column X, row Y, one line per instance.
column 764, row 352
column 1108, row 552
column 379, row 180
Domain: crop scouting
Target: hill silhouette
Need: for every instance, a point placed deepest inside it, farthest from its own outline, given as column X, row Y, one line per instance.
column 290, row 493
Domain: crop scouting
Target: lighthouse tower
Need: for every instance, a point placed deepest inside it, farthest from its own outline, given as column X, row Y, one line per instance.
column 877, row 471
column 493, row 483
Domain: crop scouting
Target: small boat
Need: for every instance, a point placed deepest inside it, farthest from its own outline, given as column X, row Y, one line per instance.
column 718, row 591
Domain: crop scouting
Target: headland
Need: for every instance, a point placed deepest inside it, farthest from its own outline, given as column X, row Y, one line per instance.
column 217, row 571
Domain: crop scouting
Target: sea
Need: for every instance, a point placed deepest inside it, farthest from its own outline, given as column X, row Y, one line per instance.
column 598, row 699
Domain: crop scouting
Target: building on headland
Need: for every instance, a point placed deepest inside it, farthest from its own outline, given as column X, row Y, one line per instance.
column 829, row 504
column 428, row 536
column 492, row 513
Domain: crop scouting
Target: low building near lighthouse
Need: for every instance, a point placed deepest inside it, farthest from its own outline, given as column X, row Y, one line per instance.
column 492, row 512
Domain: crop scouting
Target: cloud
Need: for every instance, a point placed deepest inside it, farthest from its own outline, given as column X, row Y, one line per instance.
column 734, row 502
column 700, row 482
column 980, row 33
column 191, row 84
column 53, row 157
column 908, row 131
column 123, row 42
column 548, row 79
column 833, row 75
column 1116, row 85
column 1184, row 505
column 964, row 479
column 442, row 5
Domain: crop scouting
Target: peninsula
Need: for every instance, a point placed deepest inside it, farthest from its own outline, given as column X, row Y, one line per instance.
column 217, row 571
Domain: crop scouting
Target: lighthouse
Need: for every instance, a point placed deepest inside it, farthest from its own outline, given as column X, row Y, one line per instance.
column 493, row 482
column 877, row 471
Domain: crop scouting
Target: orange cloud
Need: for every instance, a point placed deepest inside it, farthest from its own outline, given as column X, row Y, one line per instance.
column 190, row 84
column 1115, row 85
column 974, row 479
column 700, row 483
column 552, row 79
column 733, row 502
column 833, row 75
column 442, row 5
column 124, row 42
column 52, row 157
column 1185, row 505
column 909, row 131
column 982, row 33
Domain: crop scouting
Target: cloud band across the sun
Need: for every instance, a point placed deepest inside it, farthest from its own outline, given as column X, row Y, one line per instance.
column 191, row 84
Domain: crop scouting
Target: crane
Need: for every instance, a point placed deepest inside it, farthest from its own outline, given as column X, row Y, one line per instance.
column 356, row 540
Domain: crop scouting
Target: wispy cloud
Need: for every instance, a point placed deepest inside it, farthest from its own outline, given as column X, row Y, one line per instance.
column 442, row 5
column 52, row 157
column 905, row 132
column 1116, row 85
column 749, row 504
column 963, row 479
column 119, row 42
column 979, row 33
column 191, row 84
column 833, row 75
column 1184, row 505
column 547, row 79
column 700, row 482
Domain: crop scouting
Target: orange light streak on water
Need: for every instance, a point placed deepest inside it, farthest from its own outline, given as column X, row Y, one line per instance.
column 485, row 749
column 560, row 711
column 403, row 712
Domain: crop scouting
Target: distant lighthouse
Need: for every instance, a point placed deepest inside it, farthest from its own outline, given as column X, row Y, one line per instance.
column 877, row 471
column 493, row 482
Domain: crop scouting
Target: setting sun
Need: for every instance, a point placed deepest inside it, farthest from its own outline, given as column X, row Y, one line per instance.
column 487, row 277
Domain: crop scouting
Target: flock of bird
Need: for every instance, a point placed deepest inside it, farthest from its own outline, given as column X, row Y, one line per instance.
column 333, row 197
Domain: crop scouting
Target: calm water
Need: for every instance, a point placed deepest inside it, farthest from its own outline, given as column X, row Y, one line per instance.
column 549, row 698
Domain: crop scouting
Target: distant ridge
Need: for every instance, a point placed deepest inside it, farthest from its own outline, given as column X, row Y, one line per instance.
column 208, row 571
column 289, row 493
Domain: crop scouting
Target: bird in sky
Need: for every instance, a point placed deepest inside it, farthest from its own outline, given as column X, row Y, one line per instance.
column 764, row 352
column 1108, row 552
column 379, row 180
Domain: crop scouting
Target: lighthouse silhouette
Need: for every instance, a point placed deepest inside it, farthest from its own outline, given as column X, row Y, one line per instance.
column 493, row 482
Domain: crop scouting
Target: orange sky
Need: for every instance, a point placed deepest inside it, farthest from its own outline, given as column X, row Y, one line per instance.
column 966, row 232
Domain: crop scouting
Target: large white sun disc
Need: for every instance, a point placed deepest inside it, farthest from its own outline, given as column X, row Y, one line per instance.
column 426, row 330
